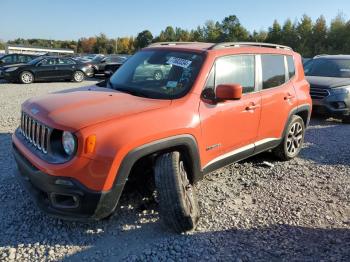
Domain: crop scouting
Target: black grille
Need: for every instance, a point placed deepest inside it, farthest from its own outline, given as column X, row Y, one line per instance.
column 36, row 133
column 318, row 93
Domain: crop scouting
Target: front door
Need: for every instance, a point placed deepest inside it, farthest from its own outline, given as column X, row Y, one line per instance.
column 230, row 128
column 46, row 69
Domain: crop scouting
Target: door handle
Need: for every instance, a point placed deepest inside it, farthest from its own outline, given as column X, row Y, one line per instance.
column 289, row 96
column 252, row 107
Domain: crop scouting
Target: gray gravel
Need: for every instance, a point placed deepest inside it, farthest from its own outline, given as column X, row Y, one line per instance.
column 292, row 211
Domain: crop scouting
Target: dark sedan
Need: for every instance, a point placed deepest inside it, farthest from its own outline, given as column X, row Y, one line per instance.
column 14, row 59
column 329, row 78
column 49, row 69
column 110, row 62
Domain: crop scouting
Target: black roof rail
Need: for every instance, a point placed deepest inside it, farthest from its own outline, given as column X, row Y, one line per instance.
column 239, row 44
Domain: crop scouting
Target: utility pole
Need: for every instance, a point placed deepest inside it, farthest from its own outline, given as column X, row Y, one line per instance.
column 116, row 45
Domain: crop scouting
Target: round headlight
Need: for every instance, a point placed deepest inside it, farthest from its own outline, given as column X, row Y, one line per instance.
column 68, row 142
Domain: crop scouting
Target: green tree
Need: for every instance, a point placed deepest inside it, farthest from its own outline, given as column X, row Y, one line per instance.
column 289, row 35
column 274, row 34
column 319, row 36
column 304, row 30
column 143, row 39
column 337, row 34
column 232, row 30
column 260, row 36
column 167, row 35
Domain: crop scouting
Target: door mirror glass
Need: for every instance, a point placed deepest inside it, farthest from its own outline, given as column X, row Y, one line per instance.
column 228, row 92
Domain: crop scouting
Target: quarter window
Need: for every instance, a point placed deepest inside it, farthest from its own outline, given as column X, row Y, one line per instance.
column 238, row 69
column 291, row 67
column 273, row 70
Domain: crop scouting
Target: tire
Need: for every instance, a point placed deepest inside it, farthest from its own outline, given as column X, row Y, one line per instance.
column 178, row 203
column 78, row 76
column 26, row 77
column 292, row 141
column 158, row 75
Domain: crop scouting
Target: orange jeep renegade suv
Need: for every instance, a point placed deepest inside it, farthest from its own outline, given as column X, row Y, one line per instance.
column 213, row 104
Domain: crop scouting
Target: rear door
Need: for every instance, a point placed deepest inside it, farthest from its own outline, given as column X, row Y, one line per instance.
column 65, row 68
column 278, row 98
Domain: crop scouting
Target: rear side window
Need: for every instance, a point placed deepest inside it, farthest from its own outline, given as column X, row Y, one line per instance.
column 273, row 70
column 238, row 69
column 291, row 67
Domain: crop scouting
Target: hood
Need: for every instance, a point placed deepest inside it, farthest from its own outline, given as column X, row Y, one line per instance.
column 78, row 108
column 327, row 82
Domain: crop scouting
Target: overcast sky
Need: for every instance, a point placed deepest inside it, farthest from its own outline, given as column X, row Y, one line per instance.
column 72, row 19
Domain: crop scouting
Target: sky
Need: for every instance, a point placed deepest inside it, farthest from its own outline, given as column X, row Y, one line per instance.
column 72, row 19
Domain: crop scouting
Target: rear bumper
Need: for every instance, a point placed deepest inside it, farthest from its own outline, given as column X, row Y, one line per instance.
column 336, row 105
column 65, row 197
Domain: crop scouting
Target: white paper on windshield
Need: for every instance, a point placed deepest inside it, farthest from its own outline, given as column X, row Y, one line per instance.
column 179, row 62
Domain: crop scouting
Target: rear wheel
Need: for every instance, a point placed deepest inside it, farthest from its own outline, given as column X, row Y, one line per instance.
column 78, row 76
column 177, row 198
column 26, row 77
column 293, row 139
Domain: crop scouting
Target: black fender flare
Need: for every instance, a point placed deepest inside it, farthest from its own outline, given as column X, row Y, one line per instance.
column 295, row 111
column 166, row 144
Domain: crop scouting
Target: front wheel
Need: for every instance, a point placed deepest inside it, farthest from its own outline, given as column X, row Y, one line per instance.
column 177, row 198
column 292, row 141
column 158, row 75
column 78, row 76
column 26, row 77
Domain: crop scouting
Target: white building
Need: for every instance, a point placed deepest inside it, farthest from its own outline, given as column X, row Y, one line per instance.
column 21, row 49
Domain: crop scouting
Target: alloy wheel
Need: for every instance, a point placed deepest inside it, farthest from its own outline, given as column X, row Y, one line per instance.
column 27, row 78
column 295, row 138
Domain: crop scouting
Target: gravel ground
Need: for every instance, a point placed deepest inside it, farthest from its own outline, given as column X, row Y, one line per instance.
column 297, row 210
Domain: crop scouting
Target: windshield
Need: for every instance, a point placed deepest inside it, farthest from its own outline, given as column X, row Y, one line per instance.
column 160, row 74
column 328, row 68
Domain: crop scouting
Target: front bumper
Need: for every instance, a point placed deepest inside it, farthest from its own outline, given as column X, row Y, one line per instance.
column 336, row 105
column 68, row 199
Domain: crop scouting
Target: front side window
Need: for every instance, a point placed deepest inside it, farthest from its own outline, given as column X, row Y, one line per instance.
column 162, row 74
column 238, row 69
column 326, row 67
column 273, row 70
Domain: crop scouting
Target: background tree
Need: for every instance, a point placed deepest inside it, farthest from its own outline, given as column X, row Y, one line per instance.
column 304, row 30
column 275, row 33
column 319, row 36
column 337, row 34
column 143, row 39
column 232, row 30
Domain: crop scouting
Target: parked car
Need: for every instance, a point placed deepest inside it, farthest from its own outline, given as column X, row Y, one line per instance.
column 113, row 66
column 14, row 59
column 100, row 63
column 49, row 68
column 219, row 103
column 329, row 78
column 152, row 71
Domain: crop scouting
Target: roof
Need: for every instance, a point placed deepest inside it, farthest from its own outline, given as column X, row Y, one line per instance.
column 332, row 57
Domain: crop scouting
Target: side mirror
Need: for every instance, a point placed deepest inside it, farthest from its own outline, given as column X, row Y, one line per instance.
column 228, row 92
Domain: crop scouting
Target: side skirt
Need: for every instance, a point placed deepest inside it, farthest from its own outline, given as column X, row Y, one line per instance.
column 241, row 154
